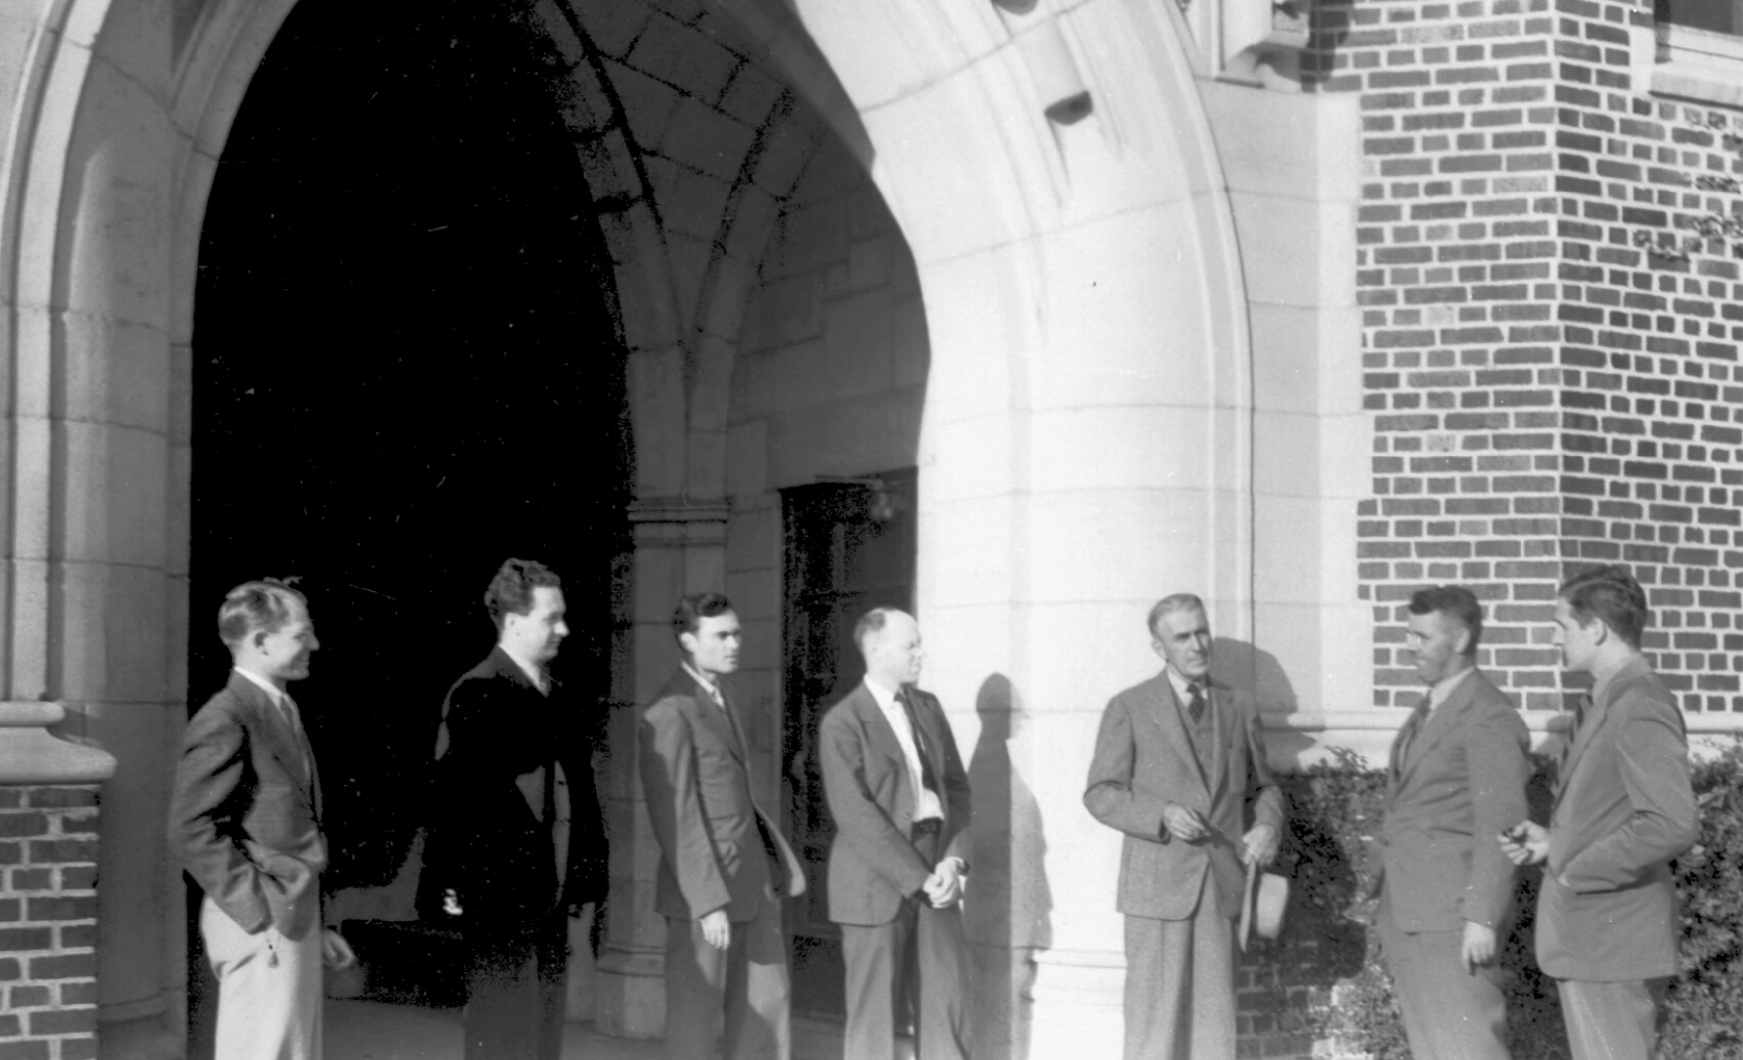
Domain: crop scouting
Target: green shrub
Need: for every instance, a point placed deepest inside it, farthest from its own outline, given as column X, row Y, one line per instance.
column 1336, row 807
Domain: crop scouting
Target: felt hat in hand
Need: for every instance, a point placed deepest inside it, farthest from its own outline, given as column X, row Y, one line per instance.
column 1262, row 904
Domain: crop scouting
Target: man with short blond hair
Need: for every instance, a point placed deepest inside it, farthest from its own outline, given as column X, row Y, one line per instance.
column 245, row 821
column 899, row 860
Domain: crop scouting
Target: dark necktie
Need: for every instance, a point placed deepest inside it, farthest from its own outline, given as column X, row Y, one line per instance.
column 926, row 776
column 1195, row 707
column 1412, row 728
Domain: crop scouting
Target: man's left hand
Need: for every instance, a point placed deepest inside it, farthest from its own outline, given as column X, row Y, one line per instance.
column 1261, row 843
column 335, row 951
column 944, row 887
column 1479, row 946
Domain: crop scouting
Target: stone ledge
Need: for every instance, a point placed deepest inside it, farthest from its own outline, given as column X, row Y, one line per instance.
column 29, row 754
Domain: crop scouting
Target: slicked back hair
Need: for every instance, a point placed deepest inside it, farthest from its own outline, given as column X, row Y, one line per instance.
column 691, row 610
column 264, row 606
column 511, row 591
column 1454, row 600
column 1612, row 594
column 1170, row 604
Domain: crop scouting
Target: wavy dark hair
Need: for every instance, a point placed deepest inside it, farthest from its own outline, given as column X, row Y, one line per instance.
column 1610, row 593
column 511, row 591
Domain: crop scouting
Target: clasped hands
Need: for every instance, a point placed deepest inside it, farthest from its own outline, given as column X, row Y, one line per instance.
column 1259, row 845
column 945, row 886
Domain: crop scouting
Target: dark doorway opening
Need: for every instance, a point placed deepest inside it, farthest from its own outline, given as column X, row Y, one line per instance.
column 406, row 369
column 849, row 546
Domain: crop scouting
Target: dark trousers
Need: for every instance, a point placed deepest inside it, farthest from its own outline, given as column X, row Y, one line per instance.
column 918, row 959
column 515, row 994
column 743, row 990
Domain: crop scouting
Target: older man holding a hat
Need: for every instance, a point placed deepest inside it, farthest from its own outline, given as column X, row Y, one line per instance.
column 1178, row 760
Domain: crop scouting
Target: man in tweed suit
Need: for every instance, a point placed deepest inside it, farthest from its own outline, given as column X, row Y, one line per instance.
column 245, row 823
column 1457, row 779
column 1607, row 913
column 1178, row 761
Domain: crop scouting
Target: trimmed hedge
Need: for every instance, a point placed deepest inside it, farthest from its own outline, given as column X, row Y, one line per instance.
column 1326, row 946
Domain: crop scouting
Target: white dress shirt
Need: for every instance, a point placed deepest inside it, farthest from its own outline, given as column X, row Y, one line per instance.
column 1183, row 687
column 926, row 804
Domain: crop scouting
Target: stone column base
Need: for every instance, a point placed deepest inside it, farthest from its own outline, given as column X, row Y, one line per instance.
column 1078, row 1006
column 631, row 998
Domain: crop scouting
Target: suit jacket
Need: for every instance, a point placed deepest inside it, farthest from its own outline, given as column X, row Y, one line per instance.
column 485, row 842
column 718, row 850
column 245, row 813
column 873, row 864
column 1624, row 809
column 1439, row 848
column 1144, row 760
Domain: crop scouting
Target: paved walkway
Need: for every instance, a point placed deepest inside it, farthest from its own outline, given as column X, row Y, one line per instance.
column 374, row 1030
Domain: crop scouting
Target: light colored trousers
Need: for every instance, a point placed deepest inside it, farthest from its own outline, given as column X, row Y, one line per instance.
column 1612, row 1021
column 1180, row 985
column 267, row 1009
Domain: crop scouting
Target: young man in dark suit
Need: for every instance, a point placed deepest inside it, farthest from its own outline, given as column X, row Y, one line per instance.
column 1607, row 917
column 1178, row 762
column 1457, row 778
column 898, row 862
column 722, row 860
column 517, row 846
column 245, row 821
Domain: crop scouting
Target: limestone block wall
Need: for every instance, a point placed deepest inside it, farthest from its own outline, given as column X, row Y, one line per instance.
column 48, row 921
column 1546, row 391
column 829, row 381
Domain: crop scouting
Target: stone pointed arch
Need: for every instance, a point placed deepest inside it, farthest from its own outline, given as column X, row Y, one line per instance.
column 1086, row 443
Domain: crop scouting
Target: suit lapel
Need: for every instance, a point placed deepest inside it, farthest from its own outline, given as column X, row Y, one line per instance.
column 1593, row 719
column 1215, row 702
column 275, row 735
column 716, row 719
column 882, row 736
column 929, row 720
column 729, row 714
column 1165, row 708
column 1441, row 722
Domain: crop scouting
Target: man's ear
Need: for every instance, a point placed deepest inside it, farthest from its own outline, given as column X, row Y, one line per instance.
column 1156, row 646
column 1600, row 629
column 1463, row 644
column 258, row 639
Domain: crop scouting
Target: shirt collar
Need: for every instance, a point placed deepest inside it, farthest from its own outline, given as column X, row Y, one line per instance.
column 1183, row 686
column 272, row 691
column 1439, row 692
column 885, row 698
column 534, row 673
column 711, row 687
column 1602, row 679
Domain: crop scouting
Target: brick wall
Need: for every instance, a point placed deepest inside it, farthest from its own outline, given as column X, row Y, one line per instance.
column 48, row 923
column 1546, row 393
